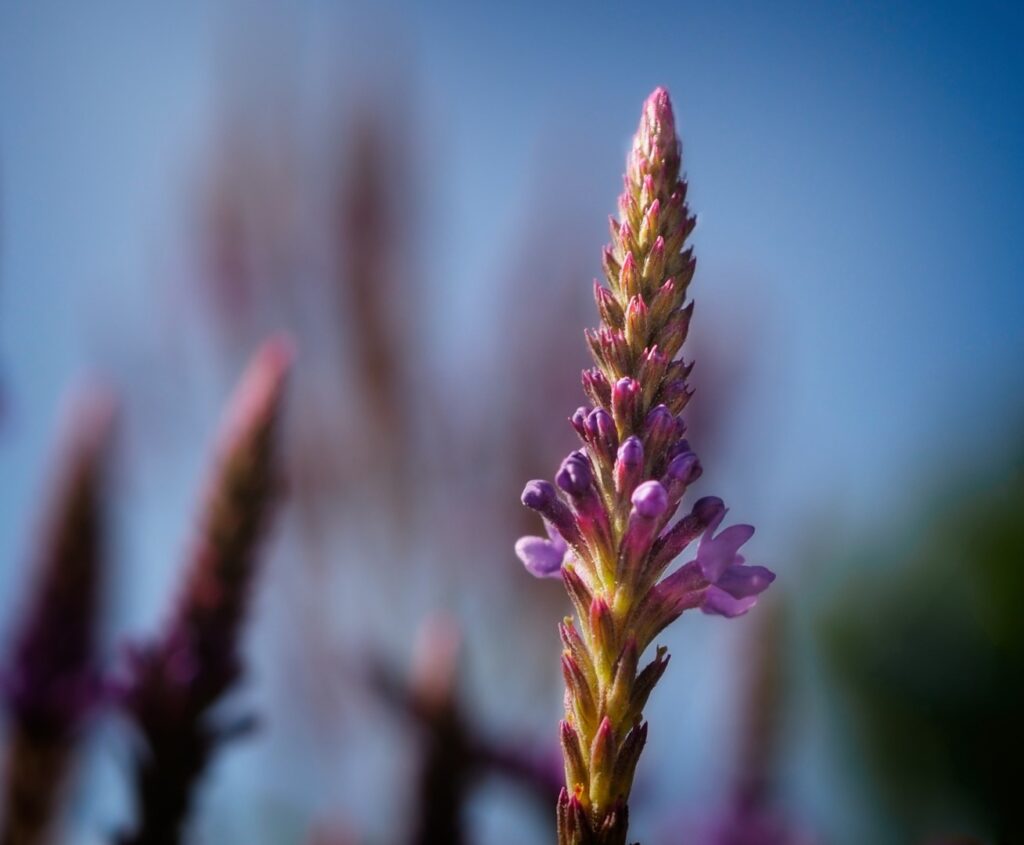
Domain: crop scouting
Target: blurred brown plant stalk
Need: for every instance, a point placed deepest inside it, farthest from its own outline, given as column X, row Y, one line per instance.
column 51, row 681
column 173, row 683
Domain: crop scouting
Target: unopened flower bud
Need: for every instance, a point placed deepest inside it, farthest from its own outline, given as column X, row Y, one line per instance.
column 625, row 404
column 650, row 499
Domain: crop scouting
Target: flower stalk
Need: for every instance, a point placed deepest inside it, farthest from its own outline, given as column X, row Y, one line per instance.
column 609, row 515
column 174, row 683
column 51, row 681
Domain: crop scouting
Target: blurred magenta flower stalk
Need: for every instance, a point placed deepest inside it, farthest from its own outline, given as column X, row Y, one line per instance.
column 174, row 683
column 51, row 680
column 609, row 521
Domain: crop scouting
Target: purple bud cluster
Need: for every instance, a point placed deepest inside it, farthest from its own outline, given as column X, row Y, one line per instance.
column 609, row 516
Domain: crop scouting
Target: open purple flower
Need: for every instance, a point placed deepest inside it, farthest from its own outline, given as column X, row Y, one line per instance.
column 543, row 556
column 734, row 585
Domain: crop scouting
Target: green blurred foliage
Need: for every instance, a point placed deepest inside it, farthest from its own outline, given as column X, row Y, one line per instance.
column 926, row 641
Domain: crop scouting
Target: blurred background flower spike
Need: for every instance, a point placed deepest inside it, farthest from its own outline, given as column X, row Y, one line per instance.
column 50, row 681
column 174, row 682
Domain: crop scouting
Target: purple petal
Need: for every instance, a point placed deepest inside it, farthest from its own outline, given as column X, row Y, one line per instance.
column 716, row 554
column 719, row 603
column 542, row 558
column 740, row 582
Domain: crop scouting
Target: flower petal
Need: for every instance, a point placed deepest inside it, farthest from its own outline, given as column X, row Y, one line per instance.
column 718, row 602
column 740, row 582
column 556, row 539
column 716, row 554
column 542, row 558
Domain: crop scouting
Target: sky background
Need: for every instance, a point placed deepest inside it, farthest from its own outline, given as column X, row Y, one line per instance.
column 856, row 170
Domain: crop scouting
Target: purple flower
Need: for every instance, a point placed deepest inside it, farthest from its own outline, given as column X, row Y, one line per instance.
column 543, row 557
column 734, row 585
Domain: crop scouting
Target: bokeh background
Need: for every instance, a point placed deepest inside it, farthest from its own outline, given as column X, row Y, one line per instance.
column 418, row 193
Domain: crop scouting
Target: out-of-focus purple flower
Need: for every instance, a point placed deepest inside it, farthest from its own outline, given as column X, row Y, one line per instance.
column 613, row 502
column 172, row 684
column 50, row 682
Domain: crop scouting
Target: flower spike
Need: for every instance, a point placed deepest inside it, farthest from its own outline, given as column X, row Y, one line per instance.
column 610, row 512
column 50, row 682
column 174, row 683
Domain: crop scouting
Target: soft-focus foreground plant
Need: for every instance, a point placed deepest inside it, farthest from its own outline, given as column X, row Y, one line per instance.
column 50, row 682
column 609, row 521
column 174, row 683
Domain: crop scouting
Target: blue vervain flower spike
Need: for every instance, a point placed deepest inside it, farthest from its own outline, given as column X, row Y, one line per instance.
column 609, row 515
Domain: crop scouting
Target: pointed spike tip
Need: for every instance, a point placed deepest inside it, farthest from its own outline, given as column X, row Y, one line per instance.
column 658, row 107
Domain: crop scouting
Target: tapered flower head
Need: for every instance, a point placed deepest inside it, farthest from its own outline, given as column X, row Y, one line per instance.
column 50, row 681
column 610, row 513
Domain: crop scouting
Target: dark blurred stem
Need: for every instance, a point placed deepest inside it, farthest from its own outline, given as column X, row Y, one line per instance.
column 164, row 787
column 33, row 765
column 443, row 784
